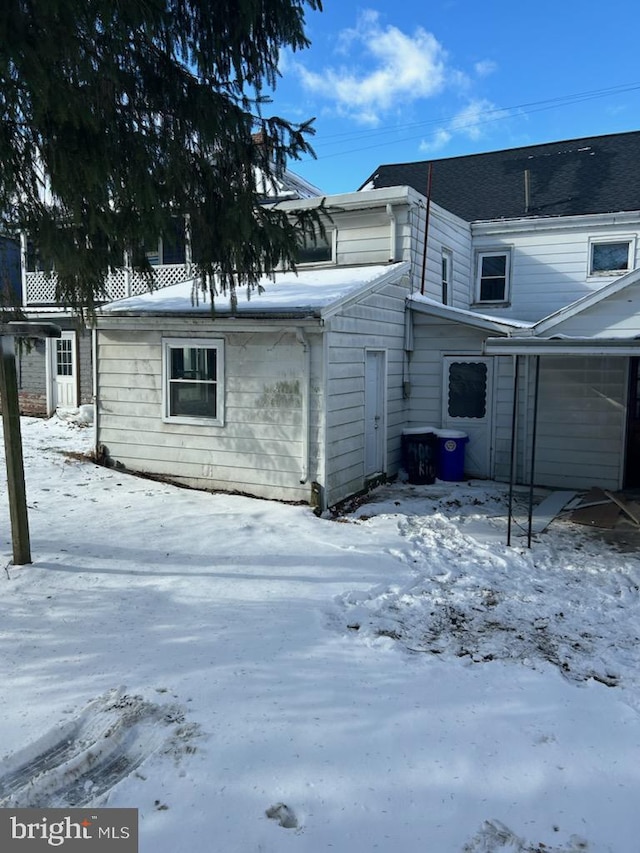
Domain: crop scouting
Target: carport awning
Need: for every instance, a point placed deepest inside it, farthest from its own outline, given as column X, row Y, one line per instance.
column 562, row 346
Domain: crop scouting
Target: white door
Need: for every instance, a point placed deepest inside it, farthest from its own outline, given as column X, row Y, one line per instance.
column 64, row 379
column 374, row 412
column 467, row 406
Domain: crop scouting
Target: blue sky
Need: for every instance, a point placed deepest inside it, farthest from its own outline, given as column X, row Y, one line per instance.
column 400, row 81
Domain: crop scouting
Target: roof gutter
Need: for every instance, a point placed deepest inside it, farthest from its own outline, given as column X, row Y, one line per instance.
column 468, row 318
column 562, row 346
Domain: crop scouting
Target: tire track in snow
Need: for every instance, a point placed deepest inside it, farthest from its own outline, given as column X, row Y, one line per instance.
column 79, row 761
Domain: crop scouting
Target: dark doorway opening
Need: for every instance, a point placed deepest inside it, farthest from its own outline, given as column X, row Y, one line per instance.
column 632, row 460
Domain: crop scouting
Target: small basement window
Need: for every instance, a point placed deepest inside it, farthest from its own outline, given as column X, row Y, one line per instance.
column 609, row 257
column 193, row 371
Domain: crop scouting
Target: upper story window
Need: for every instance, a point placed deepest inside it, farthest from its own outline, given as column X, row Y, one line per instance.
column 35, row 261
column 492, row 276
column 170, row 248
column 611, row 257
column 193, row 373
column 318, row 249
column 447, row 276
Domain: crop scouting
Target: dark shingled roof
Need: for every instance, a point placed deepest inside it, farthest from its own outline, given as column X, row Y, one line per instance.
column 597, row 174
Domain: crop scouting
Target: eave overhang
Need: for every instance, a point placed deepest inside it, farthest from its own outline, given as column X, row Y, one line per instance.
column 562, row 346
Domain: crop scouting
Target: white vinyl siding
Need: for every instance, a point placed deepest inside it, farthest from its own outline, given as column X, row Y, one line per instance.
column 616, row 316
column 445, row 230
column 259, row 450
column 375, row 322
column 370, row 227
column 581, row 422
column 434, row 341
column 549, row 265
column 364, row 237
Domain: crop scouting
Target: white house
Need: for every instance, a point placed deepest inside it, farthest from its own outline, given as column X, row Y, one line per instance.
column 301, row 393
column 517, row 325
column 58, row 373
column 538, row 290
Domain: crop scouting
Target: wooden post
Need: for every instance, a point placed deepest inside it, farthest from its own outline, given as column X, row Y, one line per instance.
column 16, row 488
column 13, row 451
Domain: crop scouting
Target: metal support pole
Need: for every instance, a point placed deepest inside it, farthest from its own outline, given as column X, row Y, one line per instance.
column 514, row 424
column 533, row 448
column 13, row 452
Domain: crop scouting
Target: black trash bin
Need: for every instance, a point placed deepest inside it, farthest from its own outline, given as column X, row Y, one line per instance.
column 419, row 446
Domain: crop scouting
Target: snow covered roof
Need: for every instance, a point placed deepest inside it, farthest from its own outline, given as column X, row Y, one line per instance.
column 312, row 291
column 426, row 305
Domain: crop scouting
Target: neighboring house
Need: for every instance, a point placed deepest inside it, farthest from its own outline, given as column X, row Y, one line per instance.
column 58, row 373
column 530, row 270
column 537, row 259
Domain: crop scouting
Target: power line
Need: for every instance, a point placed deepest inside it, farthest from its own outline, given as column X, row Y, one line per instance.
column 490, row 116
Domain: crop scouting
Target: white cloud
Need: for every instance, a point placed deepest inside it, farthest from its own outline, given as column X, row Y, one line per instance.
column 393, row 69
column 438, row 141
column 485, row 67
column 472, row 121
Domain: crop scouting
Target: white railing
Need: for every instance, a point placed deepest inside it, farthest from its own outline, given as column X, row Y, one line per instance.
column 41, row 288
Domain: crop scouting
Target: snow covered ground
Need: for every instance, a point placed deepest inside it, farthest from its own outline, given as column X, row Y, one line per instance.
column 258, row 680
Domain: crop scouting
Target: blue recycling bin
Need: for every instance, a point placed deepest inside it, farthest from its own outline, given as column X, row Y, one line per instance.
column 419, row 449
column 450, row 455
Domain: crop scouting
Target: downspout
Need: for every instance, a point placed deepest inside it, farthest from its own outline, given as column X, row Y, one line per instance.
column 426, row 230
column 514, row 427
column 49, row 355
column 393, row 229
column 306, row 403
column 407, row 349
column 533, row 446
column 94, row 368
column 323, row 467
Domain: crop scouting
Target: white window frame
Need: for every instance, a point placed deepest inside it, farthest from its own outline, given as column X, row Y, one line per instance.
column 332, row 234
column 196, row 343
column 447, row 275
column 492, row 253
column 599, row 241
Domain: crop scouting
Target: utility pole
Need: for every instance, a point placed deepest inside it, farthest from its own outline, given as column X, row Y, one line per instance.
column 11, row 426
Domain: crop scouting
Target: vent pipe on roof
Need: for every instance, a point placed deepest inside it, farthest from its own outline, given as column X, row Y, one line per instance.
column 527, row 190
